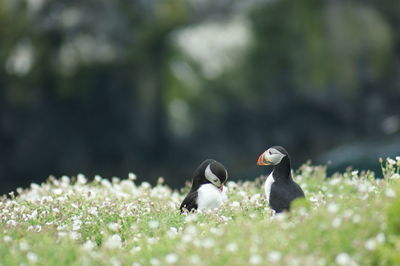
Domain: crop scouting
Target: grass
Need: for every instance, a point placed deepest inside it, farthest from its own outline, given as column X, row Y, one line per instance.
column 348, row 219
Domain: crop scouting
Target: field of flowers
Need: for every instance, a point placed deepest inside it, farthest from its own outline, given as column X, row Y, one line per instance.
column 348, row 219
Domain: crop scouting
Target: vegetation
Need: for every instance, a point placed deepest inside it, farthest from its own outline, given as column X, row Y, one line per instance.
column 347, row 219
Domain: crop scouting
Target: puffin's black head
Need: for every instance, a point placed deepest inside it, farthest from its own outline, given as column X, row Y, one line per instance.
column 209, row 171
column 216, row 174
column 272, row 156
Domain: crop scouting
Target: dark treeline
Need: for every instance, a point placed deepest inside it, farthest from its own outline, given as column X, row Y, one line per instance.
column 154, row 87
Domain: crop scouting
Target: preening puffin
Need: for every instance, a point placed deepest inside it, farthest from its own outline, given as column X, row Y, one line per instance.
column 280, row 189
column 207, row 190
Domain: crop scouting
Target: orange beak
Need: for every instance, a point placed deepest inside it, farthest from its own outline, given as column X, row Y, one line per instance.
column 263, row 161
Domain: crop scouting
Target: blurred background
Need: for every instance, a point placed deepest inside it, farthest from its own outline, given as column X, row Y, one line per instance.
column 156, row 86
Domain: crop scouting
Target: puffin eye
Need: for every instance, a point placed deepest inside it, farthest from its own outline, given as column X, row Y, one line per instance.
column 270, row 153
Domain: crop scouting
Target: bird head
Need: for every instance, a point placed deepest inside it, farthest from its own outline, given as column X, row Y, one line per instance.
column 272, row 156
column 216, row 174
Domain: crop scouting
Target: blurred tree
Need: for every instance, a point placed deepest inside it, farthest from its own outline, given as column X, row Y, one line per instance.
column 155, row 86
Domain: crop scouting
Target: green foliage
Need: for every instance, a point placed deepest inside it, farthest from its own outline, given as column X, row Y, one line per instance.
column 389, row 253
column 320, row 44
column 300, row 204
column 393, row 217
column 156, row 85
column 342, row 221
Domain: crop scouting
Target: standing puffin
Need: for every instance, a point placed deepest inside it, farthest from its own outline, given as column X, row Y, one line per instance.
column 207, row 190
column 280, row 189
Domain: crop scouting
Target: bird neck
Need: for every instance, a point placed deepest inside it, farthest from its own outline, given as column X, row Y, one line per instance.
column 282, row 170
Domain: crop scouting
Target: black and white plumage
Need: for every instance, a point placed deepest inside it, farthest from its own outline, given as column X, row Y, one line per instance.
column 280, row 188
column 207, row 190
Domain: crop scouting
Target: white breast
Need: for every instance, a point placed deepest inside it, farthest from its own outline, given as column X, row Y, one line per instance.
column 267, row 187
column 209, row 197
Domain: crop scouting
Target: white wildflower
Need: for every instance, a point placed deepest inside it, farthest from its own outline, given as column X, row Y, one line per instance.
column 65, row 179
column 231, row 184
column 191, row 230
column 313, row 199
column 348, row 213
column 190, row 218
column 172, row 232
column 89, row 245
column 32, row 257
column 74, row 235
column 390, row 193
column 62, row 234
column 235, row 204
column 231, row 247
column 380, row 238
column 7, row 239
column 145, row 185
column 335, row 181
column 280, row 216
column 274, row 256
column 23, row 246
column 356, row 219
column 187, row 238
column 93, row 211
column 391, row 161
column 154, row 262
column 255, row 198
column 152, row 240
column 113, row 226
column 208, row 243
column 333, row 208
column 131, row 176
column 105, row 183
column 395, row 176
column 362, row 187
column 113, row 242
column 115, row 262
column 81, row 179
column 343, row 259
column 171, row 258
column 57, row 191
column 76, row 226
column 153, row 224
column 136, row 249
column 34, row 214
column 336, row 222
column 255, row 259
column 97, row 178
column 370, row 244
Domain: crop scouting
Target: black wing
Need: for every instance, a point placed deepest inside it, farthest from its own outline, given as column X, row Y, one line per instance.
column 190, row 202
column 282, row 196
column 297, row 191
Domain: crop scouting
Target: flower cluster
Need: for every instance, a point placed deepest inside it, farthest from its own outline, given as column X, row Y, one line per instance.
column 121, row 222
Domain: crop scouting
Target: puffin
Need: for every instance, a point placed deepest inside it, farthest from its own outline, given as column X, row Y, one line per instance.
column 207, row 191
column 280, row 188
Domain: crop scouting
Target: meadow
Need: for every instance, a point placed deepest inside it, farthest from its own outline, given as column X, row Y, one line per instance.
column 350, row 218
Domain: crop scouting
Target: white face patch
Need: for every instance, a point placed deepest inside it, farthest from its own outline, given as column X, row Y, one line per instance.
column 210, row 176
column 273, row 155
